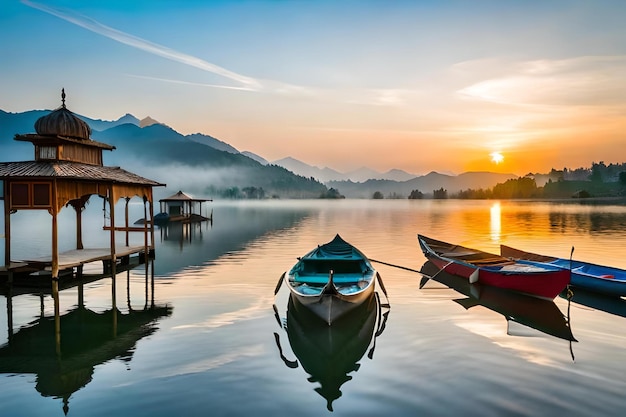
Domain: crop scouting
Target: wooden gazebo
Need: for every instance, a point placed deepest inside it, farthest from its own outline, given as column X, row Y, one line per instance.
column 180, row 207
column 67, row 170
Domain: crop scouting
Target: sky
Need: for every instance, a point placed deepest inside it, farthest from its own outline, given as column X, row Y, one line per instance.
column 447, row 86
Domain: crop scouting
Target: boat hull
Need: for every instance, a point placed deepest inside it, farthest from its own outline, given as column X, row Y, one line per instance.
column 592, row 277
column 331, row 307
column 544, row 282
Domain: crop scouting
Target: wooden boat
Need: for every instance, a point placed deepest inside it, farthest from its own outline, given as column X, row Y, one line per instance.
column 161, row 218
column 332, row 279
column 533, row 312
column 597, row 278
column 544, row 281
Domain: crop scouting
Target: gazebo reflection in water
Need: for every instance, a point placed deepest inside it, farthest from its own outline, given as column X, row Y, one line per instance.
column 63, row 350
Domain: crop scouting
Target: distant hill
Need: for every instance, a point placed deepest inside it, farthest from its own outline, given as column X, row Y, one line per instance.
column 426, row 184
column 256, row 157
column 212, row 142
column 327, row 174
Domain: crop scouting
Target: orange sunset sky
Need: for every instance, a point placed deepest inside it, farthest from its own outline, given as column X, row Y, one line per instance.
column 414, row 85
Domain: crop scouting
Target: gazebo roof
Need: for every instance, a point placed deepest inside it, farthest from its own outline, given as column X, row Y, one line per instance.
column 40, row 139
column 181, row 196
column 72, row 170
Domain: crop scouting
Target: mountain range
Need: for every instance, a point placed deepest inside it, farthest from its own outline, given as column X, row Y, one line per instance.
column 204, row 164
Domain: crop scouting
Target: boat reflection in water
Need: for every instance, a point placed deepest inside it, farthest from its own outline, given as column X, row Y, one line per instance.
column 537, row 313
column 329, row 354
column 597, row 301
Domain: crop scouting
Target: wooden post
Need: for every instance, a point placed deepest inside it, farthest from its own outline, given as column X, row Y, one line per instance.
column 112, row 221
column 145, row 232
column 126, row 218
column 55, row 234
column 113, row 258
column 7, row 226
column 151, row 223
column 79, row 226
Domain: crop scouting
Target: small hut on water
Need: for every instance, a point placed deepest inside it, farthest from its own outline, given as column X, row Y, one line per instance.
column 68, row 169
column 181, row 207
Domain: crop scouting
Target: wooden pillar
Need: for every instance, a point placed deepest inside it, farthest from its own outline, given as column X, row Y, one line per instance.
column 126, row 218
column 7, row 225
column 145, row 232
column 79, row 229
column 112, row 221
column 55, row 234
column 113, row 258
column 151, row 223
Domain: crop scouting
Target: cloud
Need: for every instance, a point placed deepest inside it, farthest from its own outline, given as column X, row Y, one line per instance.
column 380, row 97
column 579, row 81
column 85, row 22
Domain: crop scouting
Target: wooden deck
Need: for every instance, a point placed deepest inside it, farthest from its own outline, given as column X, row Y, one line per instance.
column 79, row 257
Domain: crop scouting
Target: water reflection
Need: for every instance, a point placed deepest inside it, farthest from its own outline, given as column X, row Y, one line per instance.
column 232, row 228
column 329, row 354
column 63, row 350
column 182, row 233
column 496, row 224
column 533, row 312
column 611, row 305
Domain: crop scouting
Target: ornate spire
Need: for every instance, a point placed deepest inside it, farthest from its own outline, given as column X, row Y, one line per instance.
column 62, row 122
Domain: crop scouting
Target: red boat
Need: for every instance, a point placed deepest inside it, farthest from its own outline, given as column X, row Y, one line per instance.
column 543, row 281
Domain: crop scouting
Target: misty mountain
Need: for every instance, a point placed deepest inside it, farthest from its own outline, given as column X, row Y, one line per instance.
column 159, row 152
column 426, row 184
column 326, row 175
column 256, row 157
column 212, row 142
column 147, row 121
column 204, row 165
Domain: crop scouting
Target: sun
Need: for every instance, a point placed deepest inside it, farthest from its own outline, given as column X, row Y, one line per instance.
column 496, row 157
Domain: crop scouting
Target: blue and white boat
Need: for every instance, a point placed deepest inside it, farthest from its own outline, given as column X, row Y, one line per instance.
column 601, row 279
column 332, row 279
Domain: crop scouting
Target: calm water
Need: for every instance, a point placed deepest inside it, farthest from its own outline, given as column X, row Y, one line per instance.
column 204, row 339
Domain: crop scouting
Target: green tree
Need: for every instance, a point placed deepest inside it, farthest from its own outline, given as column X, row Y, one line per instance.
column 440, row 194
column 416, row 195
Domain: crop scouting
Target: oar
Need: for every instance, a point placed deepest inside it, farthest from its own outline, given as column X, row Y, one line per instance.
column 426, row 277
column 570, row 294
column 382, row 287
column 279, row 283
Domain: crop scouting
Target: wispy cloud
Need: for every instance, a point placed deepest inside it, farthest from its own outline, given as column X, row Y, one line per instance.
column 380, row 97
column 247, row 83
column 578, row 81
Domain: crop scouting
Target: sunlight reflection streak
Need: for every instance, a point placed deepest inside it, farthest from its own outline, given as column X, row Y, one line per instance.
column 254, row 311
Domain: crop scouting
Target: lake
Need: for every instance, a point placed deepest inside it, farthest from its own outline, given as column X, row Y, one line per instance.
column 200, row 332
